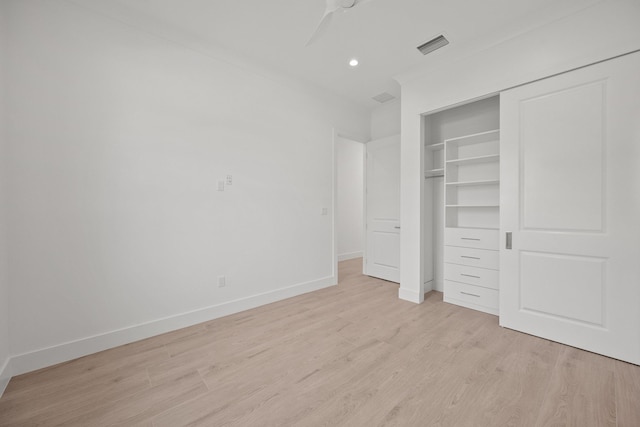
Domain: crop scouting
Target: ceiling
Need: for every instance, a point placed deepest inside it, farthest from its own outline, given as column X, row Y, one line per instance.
column 381, row 34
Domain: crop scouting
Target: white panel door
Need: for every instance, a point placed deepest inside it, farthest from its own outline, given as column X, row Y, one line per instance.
column 382, row 206
column 570, row 194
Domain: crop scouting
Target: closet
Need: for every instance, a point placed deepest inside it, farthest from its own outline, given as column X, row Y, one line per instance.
column 532, row 203
column 462, row 195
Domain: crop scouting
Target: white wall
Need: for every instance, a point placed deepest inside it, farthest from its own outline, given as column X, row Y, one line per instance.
column 5, row 372
column 117, row 141
column 609, row 28
column 350, row 191
column 385, row 120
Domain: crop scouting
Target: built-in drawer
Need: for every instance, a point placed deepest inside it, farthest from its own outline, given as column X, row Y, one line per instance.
column 473, row 257
column 472, row 275
column 472, row 238
column 471, row 296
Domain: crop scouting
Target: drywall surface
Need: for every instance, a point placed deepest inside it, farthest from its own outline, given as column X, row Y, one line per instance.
column 350, row 191
column 604, row 30
column 4, row 277
column 385, row 120
column 119, row 140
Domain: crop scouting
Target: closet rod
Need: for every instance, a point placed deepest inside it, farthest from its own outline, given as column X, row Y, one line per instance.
column 433, row 176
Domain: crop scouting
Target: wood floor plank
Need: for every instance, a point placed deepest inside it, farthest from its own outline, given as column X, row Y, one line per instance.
column 627, row 394
column 380, row 387
column 388, row 405
column 264, row 380
column 134, row 355
column 581, row 391
column 348, row 355
column 135, row 409
column 440, row 390
column 35, row 408
column 509, row 390
column 294, row 400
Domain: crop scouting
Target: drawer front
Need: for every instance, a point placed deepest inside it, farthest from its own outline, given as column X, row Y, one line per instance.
column 469, row 294
column 471, row 275
column 472, row 238
column 472, row 257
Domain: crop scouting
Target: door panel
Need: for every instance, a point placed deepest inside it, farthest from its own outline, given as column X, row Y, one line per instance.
column 570, row 192
column 558, row 138
column 382, row 249
column 567, row 287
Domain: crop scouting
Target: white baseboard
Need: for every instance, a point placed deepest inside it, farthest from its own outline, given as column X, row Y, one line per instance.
column 350, row 255
column 42, row 358
column 411, row 296
column 5, row 375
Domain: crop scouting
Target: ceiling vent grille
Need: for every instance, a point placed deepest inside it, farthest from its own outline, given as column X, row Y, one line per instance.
column 383, row 97
column 434, row 44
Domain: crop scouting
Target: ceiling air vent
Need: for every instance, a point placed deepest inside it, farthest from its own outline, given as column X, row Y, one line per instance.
column 434, row 44
column 384, row 97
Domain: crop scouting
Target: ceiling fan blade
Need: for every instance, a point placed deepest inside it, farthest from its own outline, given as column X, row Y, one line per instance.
column 322, row 26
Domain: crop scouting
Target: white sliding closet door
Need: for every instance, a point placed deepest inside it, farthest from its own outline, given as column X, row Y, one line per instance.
column 570, row 194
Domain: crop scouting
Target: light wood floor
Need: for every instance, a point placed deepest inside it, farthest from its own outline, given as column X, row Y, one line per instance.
column 350, row 355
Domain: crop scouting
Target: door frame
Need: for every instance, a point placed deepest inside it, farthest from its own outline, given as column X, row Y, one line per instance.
column 337, row 133
column 423, row 199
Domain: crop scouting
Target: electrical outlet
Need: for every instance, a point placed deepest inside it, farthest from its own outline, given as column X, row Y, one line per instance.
column 324, row 211
column 222, row 281
column 229, row 179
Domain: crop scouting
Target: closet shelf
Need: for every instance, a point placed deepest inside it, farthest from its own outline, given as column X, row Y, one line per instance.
column 472, row 160
column 436, row 147
column 476, row 138
column 472, row 183
column 472, row 206
column 439, row 171
column 471, row 228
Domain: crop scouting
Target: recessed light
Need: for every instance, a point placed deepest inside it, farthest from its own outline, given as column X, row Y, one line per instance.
column 353, row 62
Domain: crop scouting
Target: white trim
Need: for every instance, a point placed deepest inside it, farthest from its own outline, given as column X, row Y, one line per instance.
column 334, row 204
column 365, row 225
column 41, row 358
column 350, row 255
column 5, row 375
column 410, row 295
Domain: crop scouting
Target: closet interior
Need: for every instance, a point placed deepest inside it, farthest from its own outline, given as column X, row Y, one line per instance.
column 462, row 197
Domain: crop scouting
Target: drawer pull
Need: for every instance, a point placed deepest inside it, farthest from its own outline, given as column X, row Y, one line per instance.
column 469, row 275
column 470, row 257
column 471, row 295
column 469, row 238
